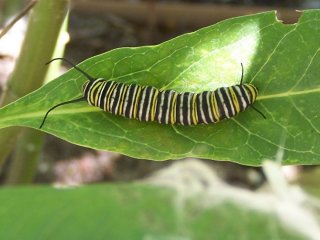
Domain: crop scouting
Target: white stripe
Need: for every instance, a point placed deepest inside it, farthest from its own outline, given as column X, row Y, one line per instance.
column 161, row 106
column 231, row 103
column 105, row 83
column 93, row 84
column 209, row 107
column 201, row 109
column 244, row 103
column 126, row 100
column 168, row 108
column 248, row 97
column 118, row 103
column 248, row 94
column 149, row 103
column 132, row 104
column 223, row 104
column 113, row 96
column 105, row 98
column 141, row 103
column 180, row 108
column 189, row 108
column 89, row 91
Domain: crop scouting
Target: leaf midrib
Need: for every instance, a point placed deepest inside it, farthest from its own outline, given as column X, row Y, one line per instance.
column 288, row 94
column 57, row 112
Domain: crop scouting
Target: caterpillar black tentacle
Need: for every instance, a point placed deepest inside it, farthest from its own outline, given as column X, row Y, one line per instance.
column 146, row 103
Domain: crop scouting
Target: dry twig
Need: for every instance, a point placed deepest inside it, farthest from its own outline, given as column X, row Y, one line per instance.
column 23, row 12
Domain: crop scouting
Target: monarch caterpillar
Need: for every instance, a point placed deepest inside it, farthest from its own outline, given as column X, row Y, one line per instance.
column 146, row 103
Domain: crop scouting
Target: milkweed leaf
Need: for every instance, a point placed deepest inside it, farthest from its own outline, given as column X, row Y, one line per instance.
column 282, row 60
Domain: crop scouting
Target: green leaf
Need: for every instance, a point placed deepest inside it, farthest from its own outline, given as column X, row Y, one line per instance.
column 127, row 211
column 283, row 61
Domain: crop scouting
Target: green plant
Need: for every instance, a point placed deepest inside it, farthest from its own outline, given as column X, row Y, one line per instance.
column 281, row 60
column 39, row 45
column 186, row 201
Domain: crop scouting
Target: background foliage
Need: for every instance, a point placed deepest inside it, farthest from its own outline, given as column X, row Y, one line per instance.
column 133, row 211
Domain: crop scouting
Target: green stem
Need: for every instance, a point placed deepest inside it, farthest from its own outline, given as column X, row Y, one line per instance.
column 25, row 159
column 24, row 163
column 38, row 46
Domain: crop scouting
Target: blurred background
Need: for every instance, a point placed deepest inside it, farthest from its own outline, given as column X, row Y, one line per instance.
column 97, row 26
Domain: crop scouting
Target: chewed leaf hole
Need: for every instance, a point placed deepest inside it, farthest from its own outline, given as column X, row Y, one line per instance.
column 288, row 16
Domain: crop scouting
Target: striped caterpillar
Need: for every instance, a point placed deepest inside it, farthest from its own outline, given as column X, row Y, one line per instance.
column 146, row 103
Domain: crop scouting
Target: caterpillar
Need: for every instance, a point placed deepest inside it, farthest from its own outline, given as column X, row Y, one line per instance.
column 146, row 103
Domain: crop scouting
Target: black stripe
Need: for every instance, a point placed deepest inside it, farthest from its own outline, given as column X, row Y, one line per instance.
column 145, row 104
column 169, row 107
column 137, row 100
column 88, row 90
column 151, row 97
column 130, row 100
column 116, row 98
column 211, row 93
column 110, row 93
column 95, row 92
column 249, row 93
column 231, row 101
column 185, row 107
column 165, row 106
column 220, row 109
column 199, row 107
column 159, row 98
column 206, row 108
column 243, row 93
column 103, row 94
column 238, row 96
column 125, row 101
column 226, row 101
column 178, row 120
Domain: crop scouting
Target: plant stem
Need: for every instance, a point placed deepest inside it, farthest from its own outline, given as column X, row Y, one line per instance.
column 38, row 46
column 25, row 159
column 24, row 162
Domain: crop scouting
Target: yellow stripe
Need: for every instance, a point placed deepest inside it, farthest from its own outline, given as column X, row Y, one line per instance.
column 109, row 96
column 214, row 107
column 96, row 101
column 173, row 108
column 154, row 104
column 136, row 101
column 235, row 100
column 194, row 109
column 253, row 92
column 123, row 94
column 233, row 111
column 92, row 95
